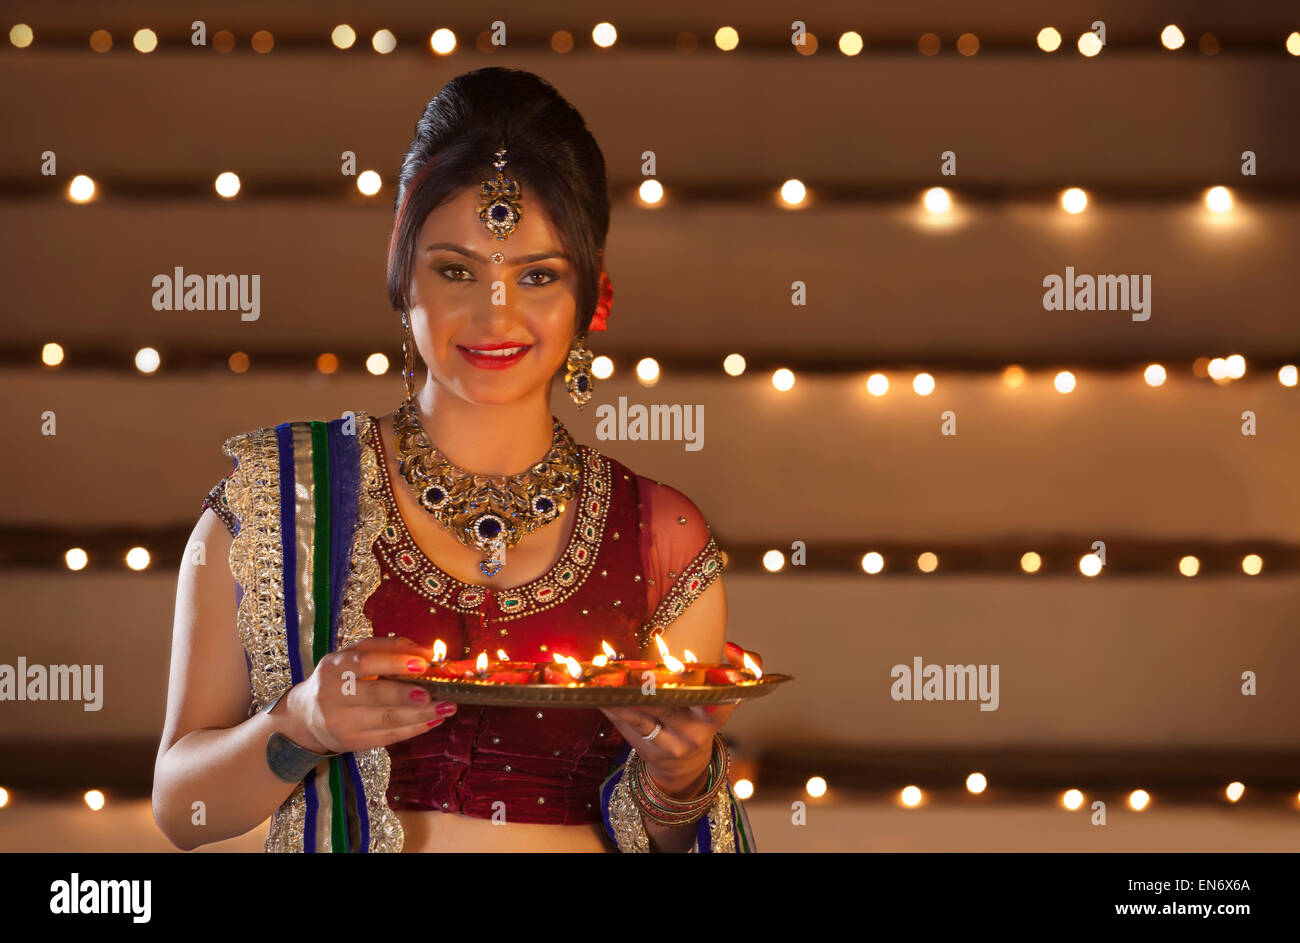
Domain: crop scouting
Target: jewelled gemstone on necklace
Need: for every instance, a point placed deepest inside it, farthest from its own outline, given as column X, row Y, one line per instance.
column 489, row 526
column 500, row 212
column 543, row 505
column 434, row 496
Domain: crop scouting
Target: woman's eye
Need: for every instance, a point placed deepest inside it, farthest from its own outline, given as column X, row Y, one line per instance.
column 544, row 273
column 454, row 268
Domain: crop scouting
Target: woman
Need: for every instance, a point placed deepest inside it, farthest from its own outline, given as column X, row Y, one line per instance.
column 467, row 516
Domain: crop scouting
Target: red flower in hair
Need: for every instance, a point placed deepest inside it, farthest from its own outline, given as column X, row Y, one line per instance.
column 603, row 305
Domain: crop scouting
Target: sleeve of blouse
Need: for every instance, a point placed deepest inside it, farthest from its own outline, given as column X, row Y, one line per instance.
column 681, row 557
column 216, row 499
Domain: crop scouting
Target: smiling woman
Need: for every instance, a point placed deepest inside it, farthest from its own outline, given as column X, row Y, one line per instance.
column 468, row 515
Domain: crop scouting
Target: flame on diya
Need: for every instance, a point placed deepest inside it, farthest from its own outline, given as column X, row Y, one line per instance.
column 604, row 670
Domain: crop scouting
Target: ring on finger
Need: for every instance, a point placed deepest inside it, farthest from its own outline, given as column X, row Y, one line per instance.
column 653, row 733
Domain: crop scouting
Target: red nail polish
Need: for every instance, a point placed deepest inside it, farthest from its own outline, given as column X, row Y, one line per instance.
column 416, row 665
column 419, row 694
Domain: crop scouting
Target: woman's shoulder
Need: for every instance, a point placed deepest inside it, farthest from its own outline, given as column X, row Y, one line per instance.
column 350, row 422
column 663, row 505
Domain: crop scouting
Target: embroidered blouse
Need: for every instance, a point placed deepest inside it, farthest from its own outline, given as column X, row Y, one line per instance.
column 638, row 554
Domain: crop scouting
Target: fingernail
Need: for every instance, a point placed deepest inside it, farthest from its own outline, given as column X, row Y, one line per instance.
column 419, row 694
column 447, row 707
column 434, row 722
column 416, row 664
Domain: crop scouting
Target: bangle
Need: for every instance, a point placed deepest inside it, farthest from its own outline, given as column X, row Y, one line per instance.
column 660, row 807
column 289, row 761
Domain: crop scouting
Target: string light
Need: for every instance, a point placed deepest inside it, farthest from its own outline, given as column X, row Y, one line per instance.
column 227, row 184
column 927, row 562
column 976, row 783
column 147, row 360
column 343, row 36
column 137, row 558
column 872, row 563
column 1090, row 564
column 743, row 788
column 1171, row 37
column 1089, row 44
column 1074, row 200
column 52, row 355
column 1234, row 791
column 726, row 38
column 647, row 371
column 650, row 192
column 773, row 561
column 76, row 559
column 783, row 379
column 910, row 796
column 81, row 189
column 1072, row 799
column 850, row 43
column 877, row 384
column 937, row 200
column 369, row 182
column 815, row 787
column 443, row 42
column 602, row 368
column 793, row 193
column 377, row 364
column 94, row 800
column 383, row 42
column 604, row 35
column 1049, row 40
column 1031, row 562
column 1139, row 799
column 1218, row 199
column 145, row 40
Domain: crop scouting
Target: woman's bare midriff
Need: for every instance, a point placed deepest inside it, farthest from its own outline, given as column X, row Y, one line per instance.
column 441, row 831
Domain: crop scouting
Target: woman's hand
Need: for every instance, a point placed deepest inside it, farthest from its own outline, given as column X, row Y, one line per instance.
column 679, row 754
column 334, row 714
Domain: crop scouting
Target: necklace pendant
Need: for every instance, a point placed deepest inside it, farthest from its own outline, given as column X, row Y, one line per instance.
column 493, row 564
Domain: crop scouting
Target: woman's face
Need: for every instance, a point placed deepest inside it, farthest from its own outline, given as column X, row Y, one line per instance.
column 461, row 300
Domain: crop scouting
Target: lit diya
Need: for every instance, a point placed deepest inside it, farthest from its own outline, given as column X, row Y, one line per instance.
column 563, row 670
column 440, row 667
column 503, row 671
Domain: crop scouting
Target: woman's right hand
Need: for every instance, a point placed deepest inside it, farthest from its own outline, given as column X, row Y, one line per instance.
column 378, row 712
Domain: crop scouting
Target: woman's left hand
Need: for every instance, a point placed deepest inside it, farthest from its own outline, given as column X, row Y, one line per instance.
column 680, row 753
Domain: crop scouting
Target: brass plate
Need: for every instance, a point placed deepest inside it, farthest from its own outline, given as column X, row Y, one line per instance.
column 489, row 694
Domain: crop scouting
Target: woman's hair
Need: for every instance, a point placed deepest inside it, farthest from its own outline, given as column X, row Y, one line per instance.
column 549, row 151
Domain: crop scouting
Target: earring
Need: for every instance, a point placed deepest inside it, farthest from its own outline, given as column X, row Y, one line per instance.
column 578, row 379
column 408, row 359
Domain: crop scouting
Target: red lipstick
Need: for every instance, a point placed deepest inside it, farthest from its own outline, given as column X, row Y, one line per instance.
column 494, row 361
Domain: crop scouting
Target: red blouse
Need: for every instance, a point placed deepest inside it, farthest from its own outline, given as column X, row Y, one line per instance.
column 639, row 552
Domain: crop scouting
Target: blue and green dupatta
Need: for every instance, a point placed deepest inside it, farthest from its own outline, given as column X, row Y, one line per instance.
column 303, row 494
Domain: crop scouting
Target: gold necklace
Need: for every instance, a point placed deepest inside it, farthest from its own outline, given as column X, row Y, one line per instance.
column 486, row 512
